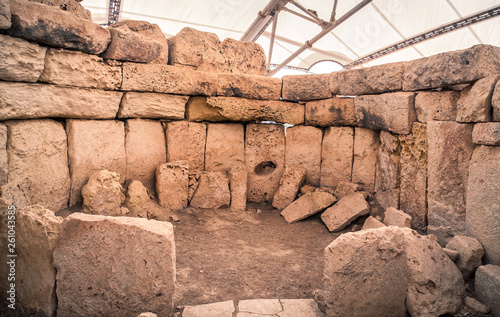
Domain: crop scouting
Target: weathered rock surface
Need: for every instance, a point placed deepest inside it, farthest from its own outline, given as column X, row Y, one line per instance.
column 337, row 156
column 186, row 141
column 303, row 148
column 264, row 160
column 20, row 60
column 115, row 258
column 398, row 218
column 249, row 86
column 238, row 185
column 198, row 110
column 387, row 165
column 436, row 105
column 291, row 181
column 72, row 68
column 371, row 80
column 145, row 148
column 55, row 27
column 392, row 112
column 345, row 188
column 31, row 101
column 94, row 145
column 450, row 148
column 225, row 146
column 172, row 182
column 483, row 200
column 474, row 104
column 463, row 66
column 152, row 105
column 487, row 288
column 495, row 102
column 307, row 205
column 221, row 309
column 213, row 191
column 137, row 194
column 168, row 79
column 5, row 14
column 366, row 143
column 45, row 182
column 4, row 164
column 70, row 6
column 345, row 211
column 387, row 198
column 487, row 133
column 476, row 305
column 129, row 46
column 331, row 112
column 306, row 87
column 470, row 254
column 372, row 223
column 103, row 194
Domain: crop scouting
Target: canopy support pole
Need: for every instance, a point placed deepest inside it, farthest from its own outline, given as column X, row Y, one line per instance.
column 271, row 44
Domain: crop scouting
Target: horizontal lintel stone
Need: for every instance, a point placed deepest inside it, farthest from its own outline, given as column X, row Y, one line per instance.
column 249, row 86
column 331, row 112
column 152, row 105
column 306, row 87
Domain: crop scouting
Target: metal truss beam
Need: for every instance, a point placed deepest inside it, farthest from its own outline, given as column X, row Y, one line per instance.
column 114, row 11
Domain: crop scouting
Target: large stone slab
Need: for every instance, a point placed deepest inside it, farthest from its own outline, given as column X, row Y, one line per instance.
column 94, row 145
column 5, row 14
column 487, row 133
column 293, row 178
column 392, row 112
column 366, row 144
column 449, row 151
column 487, row 287
column 370, row 80
column 31, row 101
column 225, row 146
column 463, row 66
column 238, row 185
column 4, row 164
column 306, row 87
column 20, row 60
column 213, row 191
column 72, row 68
column 307, row 205
column 172, row 182
column 249, row 86
column 337, row 156
column 331, row 112
column 72, row 6
column 303, row 148
column 387, row 165
column 474, row 104
column 152, row 105
column 483, row 200
column 55, row 27
column 345, row 211
column 265, row 160
column 101, row 260
column 103, row 194
column 146, row 149
column 186, row 141
column 168, row 79
column 436, row 105
column 38, row 164
column 495, row 102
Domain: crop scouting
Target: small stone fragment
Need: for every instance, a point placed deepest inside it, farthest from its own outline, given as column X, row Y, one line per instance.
column 470, row 254
column 398, row 218
column 452, row 254
column 346, row 210
column 372, row 223
column 137, row 194
column 103, row 194
column 476, row 305
column 345, row 188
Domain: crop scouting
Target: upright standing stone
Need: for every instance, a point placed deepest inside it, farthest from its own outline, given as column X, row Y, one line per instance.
column 495, row 102
column 450, row 148
column 225, row 146
column 186, row 141
column 487, row 287
column 213, row 191
column 474, row 104
column 366, row 144
column 5, row 22
column 335, row 111
column 20, row 60
column 337, row 156
column 291, row 181
column 436, row 105
column 303, row 148
column 238, row 186
column 4, row 165
column 172, row 183
column 265, row 160
column 387, row 166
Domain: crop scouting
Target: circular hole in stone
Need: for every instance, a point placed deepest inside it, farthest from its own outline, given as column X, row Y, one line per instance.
column 265, row 168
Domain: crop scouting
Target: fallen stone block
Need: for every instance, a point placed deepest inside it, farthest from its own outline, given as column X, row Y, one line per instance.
column 392, row 112
column 487, row 287
column 152, row 105
column 337, row 156
column 307, row 205
column 103, row 194
column 487, row 133
column 71, row 6
column 238, row 186
column 474, row 104
column 372, row 223
column 345, row 188
column 398, row 218
column 172, row 182
column 345, row 211
column 436, row 105
column 366, row 144
column 249, row 86
column 303, row 148
column 220, row 309
column 291, row 181
column 331, row 112
column 5, row 22
column 306, row 87
column 470, row 254
column 387, row 164
column 186, row 141
column 495, row 102
column 213, row 191
column 225, row 146
column 101, row 260
column 20, row 60
column 137, row 194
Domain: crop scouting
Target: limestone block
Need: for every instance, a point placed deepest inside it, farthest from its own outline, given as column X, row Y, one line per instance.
column 198, row 110
column 249, row 86
column 72, row 68
column 265, row 160
column 345, row 211
column 387, row 198
column 335, row 111
column 307, row 205
column 38, row 164
column 392, row 112
column 238, row 186
column 186, row 141
column 220, row 309
column 306, row 87
column 436, row 105
column 71, row 6
column 463, row 66
column 495, row 102
column 487, row 133
column 4, row 164
column 115, row 258
column 31, row 101
column 103, row 194
column 5, row 22
column 168, row 79
column 94, row 145
column 243, row 57
column 337, row 156
column 474, row 104
column 129, row 46
column 20, row 60
column 449, row 151
column 372, row 223
column 146, row 149
column 483, row 200
column 137, row 194
column 345, row 188
column 291, row 181
column 172, row 181
column 370, row 80
column 152, row 105
column 470, row 254
column 213, row 191
column 225, row 146
column 57, row 28
column 303, row 148
column 387, row 165
column 398, row 218
column 487, row 286
column 413, row 175
column 366, row 143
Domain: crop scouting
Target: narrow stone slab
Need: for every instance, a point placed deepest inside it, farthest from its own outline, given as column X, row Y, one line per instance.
column 495, row 102
column 4, row 165
column 221, row 309
column 20, row 60
column 31, row 101
column 96, row 254
column 172, row 182
column 249, row 86
column 337, row 156
column 474, row 104
column 306, row 87
column 398, row 218
column 436, row 105
column 152, row 105
column 238, row 186
column 291, row 181
column 213, row 191
column 392, row 112
column 186, row 141
column 346, row 210
column 303, row 148
column 5, row 22
column 366, row 144
column 487, row 286
column 307, row 205
column 486, row 133
column 387, row 165
column 225, row 146
column 369, row 80
column 331, row 112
